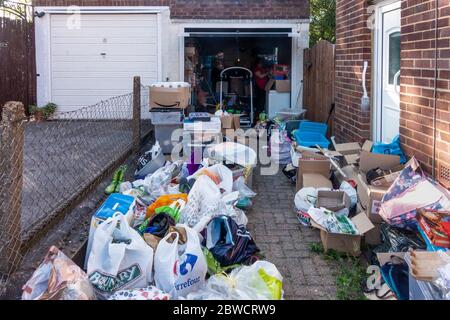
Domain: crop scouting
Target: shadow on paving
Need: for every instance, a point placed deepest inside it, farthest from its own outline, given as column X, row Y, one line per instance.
column 284, row 242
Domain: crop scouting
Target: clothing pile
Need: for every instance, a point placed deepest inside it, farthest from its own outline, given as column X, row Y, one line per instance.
column 168, row 235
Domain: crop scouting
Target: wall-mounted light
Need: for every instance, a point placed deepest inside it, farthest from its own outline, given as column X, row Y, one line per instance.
column 39, row 14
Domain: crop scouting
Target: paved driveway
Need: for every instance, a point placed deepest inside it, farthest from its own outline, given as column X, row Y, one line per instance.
column 285, row 242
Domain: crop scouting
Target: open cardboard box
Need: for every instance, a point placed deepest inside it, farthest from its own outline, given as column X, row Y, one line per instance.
column 346, row 243
column 352, row 150
column 333, row 200
column 370, row 196
column 313, row 171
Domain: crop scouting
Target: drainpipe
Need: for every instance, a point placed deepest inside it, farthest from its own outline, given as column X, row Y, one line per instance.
column 435, row 86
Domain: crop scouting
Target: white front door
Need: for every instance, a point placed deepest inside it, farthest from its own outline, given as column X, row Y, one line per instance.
column 388, row 73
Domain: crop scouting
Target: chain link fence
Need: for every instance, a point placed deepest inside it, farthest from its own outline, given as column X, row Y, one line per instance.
column 48, row 167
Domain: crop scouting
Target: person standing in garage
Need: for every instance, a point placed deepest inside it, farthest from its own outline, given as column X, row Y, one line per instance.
column 262, row 74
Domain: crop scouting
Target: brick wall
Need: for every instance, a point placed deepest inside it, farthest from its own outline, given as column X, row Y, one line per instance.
column 417, row 80
column 353, row 47
column 207, row 9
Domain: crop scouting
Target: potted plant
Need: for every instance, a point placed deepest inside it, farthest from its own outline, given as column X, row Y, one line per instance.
column 43, row 113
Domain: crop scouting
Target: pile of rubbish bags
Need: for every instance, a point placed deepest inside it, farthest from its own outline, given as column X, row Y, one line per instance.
column 171, row 234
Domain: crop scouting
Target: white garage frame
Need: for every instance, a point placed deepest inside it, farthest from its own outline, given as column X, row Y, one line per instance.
column 43, row 39
column 299, row 36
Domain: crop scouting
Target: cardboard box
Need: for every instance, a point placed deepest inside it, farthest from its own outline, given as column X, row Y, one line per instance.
column 351, row 151
column 333, row 200
column 279, row 85
column 169, row 97
column 370, row 196
column 313, row 171
column 346, row 243
column 231, row 122
column 373, row 237
column 387, row 180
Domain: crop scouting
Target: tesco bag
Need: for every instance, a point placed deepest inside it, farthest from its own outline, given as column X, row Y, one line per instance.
column 120, row 259
column 180, row 268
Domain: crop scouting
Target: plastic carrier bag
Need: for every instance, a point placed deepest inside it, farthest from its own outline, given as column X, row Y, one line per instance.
column 204, row 199
column 180, row 268
column 260, row 281
column 244, row 191
column 120, row 259
column 220, row 174
column 58, row 278
column 229, row 243
column 390, row 148
column 148, row 293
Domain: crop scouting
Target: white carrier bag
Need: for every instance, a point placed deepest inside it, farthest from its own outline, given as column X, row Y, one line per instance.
column 180, row 268
column 120, row 258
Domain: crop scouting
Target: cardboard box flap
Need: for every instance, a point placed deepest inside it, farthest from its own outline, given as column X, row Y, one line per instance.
column 316, row 180
column 362, row 223
column 367, row 146
column 348, row 148
column 333, row 200
column 351, row 158
column 370, row 160
column 385, row 257
column 317, row 226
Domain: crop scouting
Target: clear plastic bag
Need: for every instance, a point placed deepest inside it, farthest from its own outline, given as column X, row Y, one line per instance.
column 305, row 199
column 351, row 192
column 244, row 191
column 58, row 278
column 260, row 281
column 157, row 184
column 205, row 199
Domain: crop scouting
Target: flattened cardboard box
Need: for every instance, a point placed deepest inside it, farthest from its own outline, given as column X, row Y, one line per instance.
column 346, row 243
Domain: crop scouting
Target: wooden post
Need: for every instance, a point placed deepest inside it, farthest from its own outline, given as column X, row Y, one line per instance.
column 136, row 114
column 11, row 182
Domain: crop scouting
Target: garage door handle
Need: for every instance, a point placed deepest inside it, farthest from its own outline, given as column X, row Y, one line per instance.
column 103, row 54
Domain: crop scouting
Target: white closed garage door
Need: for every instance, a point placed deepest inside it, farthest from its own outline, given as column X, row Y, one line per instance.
column 99, row 60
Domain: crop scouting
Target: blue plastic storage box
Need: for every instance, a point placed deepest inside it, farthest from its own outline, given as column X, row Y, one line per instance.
column 311, row 134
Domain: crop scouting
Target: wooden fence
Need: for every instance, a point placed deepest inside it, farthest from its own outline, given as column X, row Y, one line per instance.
column 318, row 77
column 17, row 52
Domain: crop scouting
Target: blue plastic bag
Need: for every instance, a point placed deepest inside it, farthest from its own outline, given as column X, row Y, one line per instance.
column 390, row 148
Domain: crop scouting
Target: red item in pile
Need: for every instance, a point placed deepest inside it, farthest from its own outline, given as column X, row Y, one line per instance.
column 446, row 227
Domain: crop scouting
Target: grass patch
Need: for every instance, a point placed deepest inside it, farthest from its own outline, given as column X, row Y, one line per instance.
column 351, row 273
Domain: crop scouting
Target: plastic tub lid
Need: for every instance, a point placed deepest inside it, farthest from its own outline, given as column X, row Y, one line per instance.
column 291, row 112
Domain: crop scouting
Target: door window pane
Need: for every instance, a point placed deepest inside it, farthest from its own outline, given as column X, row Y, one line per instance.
column 394, row 55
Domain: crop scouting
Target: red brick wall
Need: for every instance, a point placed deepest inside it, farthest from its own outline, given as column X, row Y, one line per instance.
column 207, row 9
column 417, row 80
column 417, row 76
column 353, row 47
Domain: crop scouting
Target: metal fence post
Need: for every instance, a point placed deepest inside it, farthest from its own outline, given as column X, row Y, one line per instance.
column 11, row 182
column 136, row 114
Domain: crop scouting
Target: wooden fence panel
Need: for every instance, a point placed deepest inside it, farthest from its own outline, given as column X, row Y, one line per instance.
column 17, row 63
column 319, row 70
